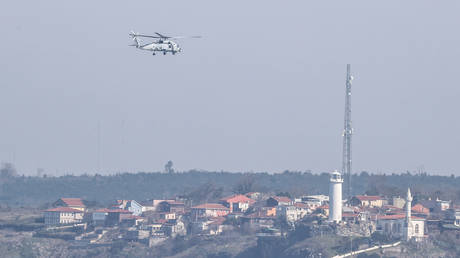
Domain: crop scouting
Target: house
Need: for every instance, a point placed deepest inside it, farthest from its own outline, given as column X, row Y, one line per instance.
column 288, row 212
column 420, row 211
column 98, row 217
column 131, row 205
column 171, row 206
column 367, row 201
column 453, row 214
column 237, row 203
column 209, row 210
column 436, row 206
column 174, row 228
column 302, row 209
column 62, row 215
column 115, row 216
column 132, row 220
column 278, row 200
column 398, row 202
column 314, row 201
column 74, row 203
column 217, row 226
column 253, row 195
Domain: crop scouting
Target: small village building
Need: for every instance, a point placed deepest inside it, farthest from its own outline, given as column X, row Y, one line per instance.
column 367, row 201
column 209, row 210
column 398, row 202
column 74, row 203
column 237, row 203
column 171, row 206
column 174, row 228
column 453, row 215
column 62, row 215
column 279, row 200
column 435, row 206
column 115, row 216
column 288, row 212
column 99, row 216
column 253, row 195
column 314, row 201
column 131, row 205
column 420, row 211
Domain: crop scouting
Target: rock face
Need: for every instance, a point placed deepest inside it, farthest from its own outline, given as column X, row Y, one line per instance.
column 356, row 230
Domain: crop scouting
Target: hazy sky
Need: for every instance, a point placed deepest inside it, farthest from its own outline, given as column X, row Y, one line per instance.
column 263, row 90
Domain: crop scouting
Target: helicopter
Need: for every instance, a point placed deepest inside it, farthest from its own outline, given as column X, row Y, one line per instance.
column 163, row 44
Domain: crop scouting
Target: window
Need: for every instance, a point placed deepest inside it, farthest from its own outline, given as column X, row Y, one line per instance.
column 416, row 228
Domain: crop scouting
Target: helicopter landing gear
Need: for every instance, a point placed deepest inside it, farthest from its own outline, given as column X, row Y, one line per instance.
column 153, row 53
column 164, row 52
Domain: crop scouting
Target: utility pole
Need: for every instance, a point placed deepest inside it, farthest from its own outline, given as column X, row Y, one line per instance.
column 347, row 133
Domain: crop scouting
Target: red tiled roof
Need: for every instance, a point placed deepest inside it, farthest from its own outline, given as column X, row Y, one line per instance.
column 418, row 208
column 368, row 197
column 323, row 207
column 76, row 202
column 64, row 209
column 396, row 216
column 281, row 198
column 211, row 206
column 102, row 210
column 237, row 198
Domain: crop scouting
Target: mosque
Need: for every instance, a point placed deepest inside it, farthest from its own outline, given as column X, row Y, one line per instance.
column 399, row 225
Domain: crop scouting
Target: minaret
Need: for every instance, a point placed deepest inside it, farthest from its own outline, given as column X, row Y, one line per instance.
column 335, row 197
column 408, row 230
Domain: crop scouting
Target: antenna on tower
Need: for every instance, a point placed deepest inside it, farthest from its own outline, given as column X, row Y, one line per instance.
column 347, row 133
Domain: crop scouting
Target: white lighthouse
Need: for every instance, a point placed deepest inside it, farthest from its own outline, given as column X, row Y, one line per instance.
column 335, row 197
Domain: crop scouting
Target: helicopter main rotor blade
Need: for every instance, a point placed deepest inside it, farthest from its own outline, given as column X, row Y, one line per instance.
column 162, row 36
column 186, row 37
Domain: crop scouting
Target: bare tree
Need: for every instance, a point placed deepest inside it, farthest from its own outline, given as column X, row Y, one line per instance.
column 169, row 167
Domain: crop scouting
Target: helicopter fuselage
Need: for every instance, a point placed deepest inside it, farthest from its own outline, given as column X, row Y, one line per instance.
column 163, row 46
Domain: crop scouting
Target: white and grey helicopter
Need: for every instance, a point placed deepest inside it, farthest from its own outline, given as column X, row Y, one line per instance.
column 163, row 44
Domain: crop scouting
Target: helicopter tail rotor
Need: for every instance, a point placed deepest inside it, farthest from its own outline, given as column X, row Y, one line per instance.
column 134, row 35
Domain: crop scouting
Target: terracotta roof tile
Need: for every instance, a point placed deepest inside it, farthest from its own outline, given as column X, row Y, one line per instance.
column 64, row 209
column 76, row 202
column 418, row 208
